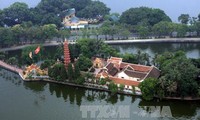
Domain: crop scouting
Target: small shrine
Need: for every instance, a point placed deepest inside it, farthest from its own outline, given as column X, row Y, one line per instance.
column 34, row 71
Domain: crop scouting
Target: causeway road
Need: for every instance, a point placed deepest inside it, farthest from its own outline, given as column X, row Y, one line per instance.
column 113, row 42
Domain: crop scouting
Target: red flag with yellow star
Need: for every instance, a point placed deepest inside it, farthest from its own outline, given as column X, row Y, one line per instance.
column 37, row 50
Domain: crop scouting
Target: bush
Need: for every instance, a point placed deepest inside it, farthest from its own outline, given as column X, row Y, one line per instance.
column 148, row 88
column 121, row 87
column 46, row 64
column 113, row 88
column 80, row 80
column 102, row 82
column 133, row 89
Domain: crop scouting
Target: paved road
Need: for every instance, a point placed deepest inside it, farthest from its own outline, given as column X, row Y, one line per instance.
column 10, row 67
column 52, row 43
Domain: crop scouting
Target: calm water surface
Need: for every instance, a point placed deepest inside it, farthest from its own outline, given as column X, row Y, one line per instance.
column 192, row 50
column 44, row 101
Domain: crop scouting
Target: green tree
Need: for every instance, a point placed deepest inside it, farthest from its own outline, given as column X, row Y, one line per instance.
column 96, row 32
column 130, row 58
column 106, row 29
column 142, row 58
column 85, row 33
column 49, row 31
column 58, row 72
column 80, row 80
column 164, row 28
column 13, row 61
column 93, row 10
column 182, row 76
column 178, row 75
column 124, row 32
column 6, row 37
column 77, row 72
column 1, row 18
column 143, row 31
column 101, row 49
column 59, row 52
column 46, row 64
column 121, row 87
column 18, row 33
column 197, row 27
column 2, row 56
column 184, row 18
column 102, row 81
column 182, row 29
column 133, row 89
column 152, row 16
column 113, row 87
column 84, row 63
column 16, row 13
column 148, row 88
column 25, row 55
column 70, row 72
column 64, row 33
column 74, row 51
column 35, row 34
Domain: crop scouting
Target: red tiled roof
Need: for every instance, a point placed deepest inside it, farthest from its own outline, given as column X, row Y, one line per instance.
column 124, row 81
column 155, row 73
column 112, row 70
column 116, row 61
column 140, row 68
column 132, row 70
column 116, row 58
column 103, row 73
column 135, row 74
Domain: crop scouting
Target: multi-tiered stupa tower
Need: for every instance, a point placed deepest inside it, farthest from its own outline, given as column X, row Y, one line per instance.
column 66, row 54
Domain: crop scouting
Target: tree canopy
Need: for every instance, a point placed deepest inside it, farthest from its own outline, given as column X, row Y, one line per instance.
column 93, row 47
column 151, row 16
column 178, row 74
column 50, row 11
column 148, row 88
column 17, row 13
column 94, row 9
column 184, row 18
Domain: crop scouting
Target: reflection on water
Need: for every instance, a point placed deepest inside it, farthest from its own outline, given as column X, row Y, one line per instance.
column 191, row 49
column 50, row 100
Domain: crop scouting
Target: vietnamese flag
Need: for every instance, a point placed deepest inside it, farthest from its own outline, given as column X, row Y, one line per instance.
column 37, row 50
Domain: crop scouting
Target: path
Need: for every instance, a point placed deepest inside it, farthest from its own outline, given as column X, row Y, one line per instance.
column 11, row 68
column 52, row 43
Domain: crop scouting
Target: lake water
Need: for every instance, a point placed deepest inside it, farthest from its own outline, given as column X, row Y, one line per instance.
column 45, row 101
column 192, row 50
column 41, row 101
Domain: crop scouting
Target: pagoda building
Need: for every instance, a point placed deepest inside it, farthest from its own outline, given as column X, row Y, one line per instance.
column 66, row 54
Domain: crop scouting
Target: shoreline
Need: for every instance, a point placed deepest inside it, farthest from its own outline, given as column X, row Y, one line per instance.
column 160, row 40
column 81, row 86
column 100, row 89
column 113, row 42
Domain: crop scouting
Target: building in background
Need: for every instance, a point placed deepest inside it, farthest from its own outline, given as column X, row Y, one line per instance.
column 71, row 21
